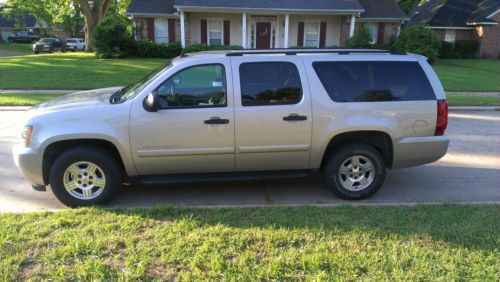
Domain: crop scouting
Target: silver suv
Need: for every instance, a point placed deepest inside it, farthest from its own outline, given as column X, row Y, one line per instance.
column 238, row 115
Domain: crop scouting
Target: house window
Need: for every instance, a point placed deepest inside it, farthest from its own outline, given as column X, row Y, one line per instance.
column 142, row 29
column 450, row 35
column 373, row 30
column 311, row 34
column 215, row 32
column 161, row 31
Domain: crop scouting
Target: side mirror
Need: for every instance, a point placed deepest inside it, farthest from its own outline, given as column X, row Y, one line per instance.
column 152, row 102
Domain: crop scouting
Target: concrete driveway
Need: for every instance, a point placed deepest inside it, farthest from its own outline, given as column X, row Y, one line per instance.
column 470, row 172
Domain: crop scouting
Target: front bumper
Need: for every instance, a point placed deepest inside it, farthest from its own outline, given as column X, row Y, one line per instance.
column 29, row 162
column 414, row 151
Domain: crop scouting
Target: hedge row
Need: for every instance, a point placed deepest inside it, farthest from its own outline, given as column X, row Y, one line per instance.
column 462, row 49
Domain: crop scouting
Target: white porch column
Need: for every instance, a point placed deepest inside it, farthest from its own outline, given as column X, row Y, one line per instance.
column 277, row 38
column 353, row 24
column 287, row 23
column 244, row 31
column 183, row 31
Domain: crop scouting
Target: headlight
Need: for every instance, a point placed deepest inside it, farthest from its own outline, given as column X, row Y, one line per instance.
column 26, row 134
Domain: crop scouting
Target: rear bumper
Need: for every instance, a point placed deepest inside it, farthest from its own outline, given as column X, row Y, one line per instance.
column 414, row 151
column 29, row 162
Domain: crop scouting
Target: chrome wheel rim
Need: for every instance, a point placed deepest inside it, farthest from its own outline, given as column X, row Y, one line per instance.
column 84, row 180
column 356, row 173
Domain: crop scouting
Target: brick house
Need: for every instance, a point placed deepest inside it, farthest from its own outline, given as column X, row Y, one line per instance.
column 263, row 24
column 453, row 20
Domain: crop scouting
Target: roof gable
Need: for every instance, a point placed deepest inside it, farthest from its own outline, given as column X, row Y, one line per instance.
column 386, row 9
column 454, row 13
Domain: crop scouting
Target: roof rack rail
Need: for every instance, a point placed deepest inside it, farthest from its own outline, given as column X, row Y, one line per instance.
column 292, row 52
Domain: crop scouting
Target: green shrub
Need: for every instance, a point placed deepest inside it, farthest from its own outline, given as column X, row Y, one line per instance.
column 113, row 36
column 466, row 48
column 361, row 39
column 203, row 47
column 148, row 49
column 419, row 40
column 447, row 50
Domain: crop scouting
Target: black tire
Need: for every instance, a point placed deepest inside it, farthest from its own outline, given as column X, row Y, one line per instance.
column 51, row 50
column 75, row 49
column 338, row 157
column 36, row 52
column 105, row 161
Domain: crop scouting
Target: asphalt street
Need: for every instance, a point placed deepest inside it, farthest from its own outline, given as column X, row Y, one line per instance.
column 470, row 172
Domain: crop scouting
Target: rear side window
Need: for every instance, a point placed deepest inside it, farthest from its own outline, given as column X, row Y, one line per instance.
column 270, row 83
column 374, row 81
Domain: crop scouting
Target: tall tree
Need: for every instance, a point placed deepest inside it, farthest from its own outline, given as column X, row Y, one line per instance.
column 93, row 11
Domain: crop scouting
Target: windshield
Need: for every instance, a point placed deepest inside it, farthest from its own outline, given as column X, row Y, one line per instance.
column 70, row 41
column 134, row 89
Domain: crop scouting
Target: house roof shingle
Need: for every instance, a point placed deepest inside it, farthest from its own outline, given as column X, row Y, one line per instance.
column 382, row 9
column 454, row 13
column 151, row 7
column 323, row 5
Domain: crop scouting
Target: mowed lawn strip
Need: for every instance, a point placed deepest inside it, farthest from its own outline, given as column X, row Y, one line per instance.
column 17, row 47
column 469, row 100
column 424, row 243
column 23, row 99
column 476, row 75
column 72, row 71
column 84, row 71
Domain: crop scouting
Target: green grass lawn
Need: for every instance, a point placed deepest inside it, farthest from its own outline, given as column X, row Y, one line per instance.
column 17, row 47
column 475, row 75
column 25, row 99
column 72, row 71
column 423, row 243
column 462, row 100
column 84, row 71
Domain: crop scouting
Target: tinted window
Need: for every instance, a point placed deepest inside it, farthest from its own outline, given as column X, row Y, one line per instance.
column 270, row 83
column 374, row 81
column 193, row 87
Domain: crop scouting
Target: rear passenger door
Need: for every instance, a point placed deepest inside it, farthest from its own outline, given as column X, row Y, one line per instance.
column 272, row 113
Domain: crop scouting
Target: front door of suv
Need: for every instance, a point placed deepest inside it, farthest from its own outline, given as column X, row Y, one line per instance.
column 273, row 113
column 193, row 132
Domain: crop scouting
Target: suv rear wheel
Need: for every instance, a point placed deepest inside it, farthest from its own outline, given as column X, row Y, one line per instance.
column 355, row 172
column 85, row 176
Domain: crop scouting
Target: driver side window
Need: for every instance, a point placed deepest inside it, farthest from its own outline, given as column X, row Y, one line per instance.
column 195, row 87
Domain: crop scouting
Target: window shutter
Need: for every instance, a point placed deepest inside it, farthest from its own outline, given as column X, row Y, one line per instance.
column 227, row 33
column 171, row 30
column 300, row 34
column 151, row 29
column 380, row 35
column 204, row 31
column 322, row 35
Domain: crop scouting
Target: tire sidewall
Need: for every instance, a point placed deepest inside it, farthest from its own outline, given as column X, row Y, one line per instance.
column 106, row 162
column 332, row 168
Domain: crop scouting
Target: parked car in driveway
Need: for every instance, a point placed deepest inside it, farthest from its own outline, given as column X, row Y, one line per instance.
column 234, row 115
column 75, row 44
column 23, row 37
column 49, row 45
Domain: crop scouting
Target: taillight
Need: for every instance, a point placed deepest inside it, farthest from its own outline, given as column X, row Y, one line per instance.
column 442, row 117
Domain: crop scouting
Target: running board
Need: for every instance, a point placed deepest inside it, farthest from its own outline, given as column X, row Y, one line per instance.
column 221, row 177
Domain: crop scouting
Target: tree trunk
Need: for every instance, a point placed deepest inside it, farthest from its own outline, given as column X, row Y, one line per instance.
column 93, row 14
column 90, row 26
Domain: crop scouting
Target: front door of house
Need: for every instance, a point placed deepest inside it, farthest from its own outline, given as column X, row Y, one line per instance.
column 263, row 35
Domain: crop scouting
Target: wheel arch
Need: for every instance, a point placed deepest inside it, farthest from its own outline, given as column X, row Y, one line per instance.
column 56, row 148
column 380, row 140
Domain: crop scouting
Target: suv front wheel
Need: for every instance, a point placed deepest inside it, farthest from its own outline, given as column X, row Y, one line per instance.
column 85, row 176
column 355, row 172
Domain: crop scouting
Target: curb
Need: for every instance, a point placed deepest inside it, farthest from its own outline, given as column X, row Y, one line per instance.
column 475, row 108
column 14, row 108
